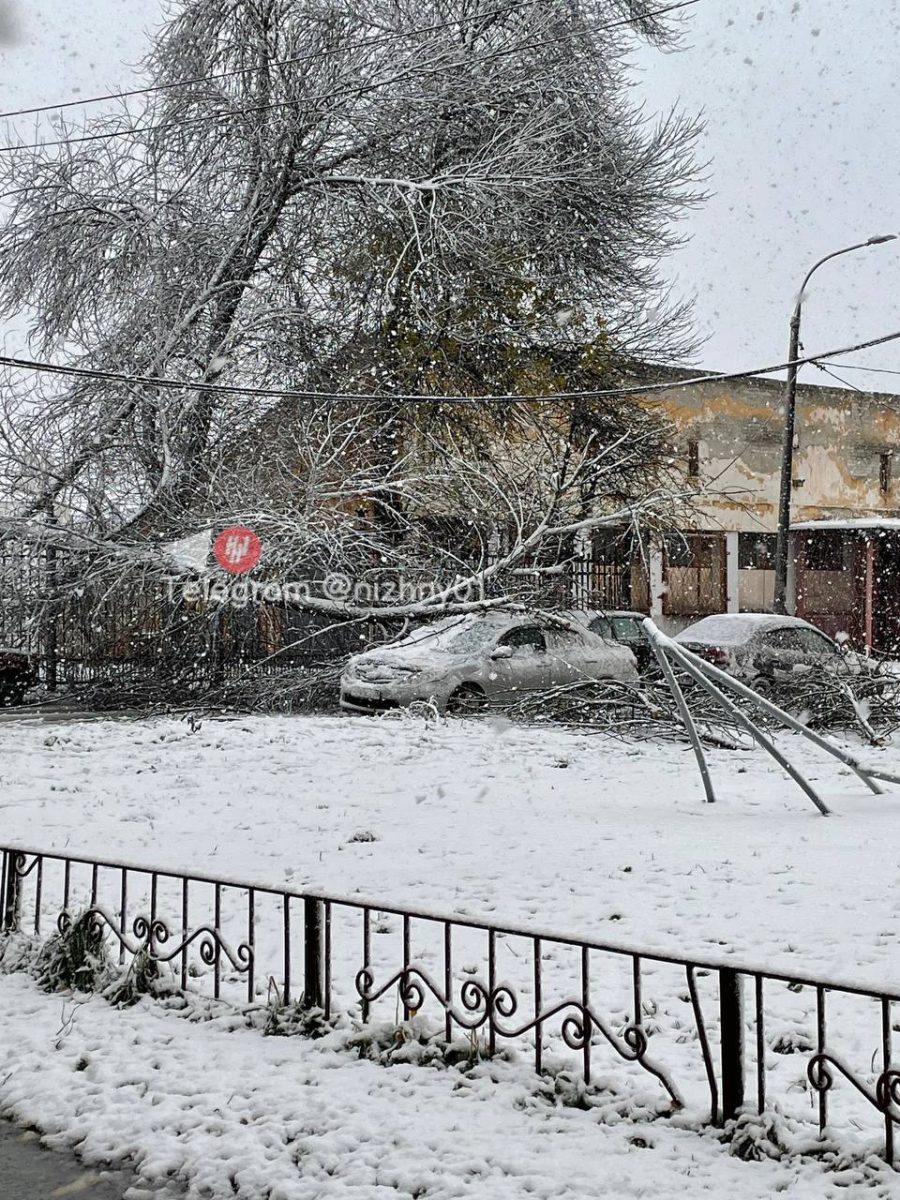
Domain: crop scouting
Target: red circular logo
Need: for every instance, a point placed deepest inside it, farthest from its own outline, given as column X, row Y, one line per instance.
column 237, row 549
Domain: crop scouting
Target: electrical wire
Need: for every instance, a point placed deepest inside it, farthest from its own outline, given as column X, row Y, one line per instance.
column 874, row 370
column 134, row 130
column 284, row 62
column 37, row 367
column 846, row 382
column 278, row 62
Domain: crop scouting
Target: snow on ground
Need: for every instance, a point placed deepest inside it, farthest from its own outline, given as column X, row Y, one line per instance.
column 234, row 1114
column 543, row 827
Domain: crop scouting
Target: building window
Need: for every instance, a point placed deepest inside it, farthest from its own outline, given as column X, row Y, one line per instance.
column 756, row 551
column 885, row 470
column 693, row 458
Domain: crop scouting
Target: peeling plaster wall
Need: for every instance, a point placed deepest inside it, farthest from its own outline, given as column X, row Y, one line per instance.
column 738, row 425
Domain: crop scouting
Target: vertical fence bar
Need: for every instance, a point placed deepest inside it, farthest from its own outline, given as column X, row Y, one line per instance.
column 886, row 1054
column 704, row 1044
column 404, row 984
column 312, row 953
column 4, row 868
column 820, row 1049
column 67, row 884
column 184, row 932
column 12, row 900
column 636, row 1000
column 123, row 911
column 217, row 922
column 286, row 930
column 731, row 1016
column 154, row 893
column 760, row 1047
column 94, row 873
column 538, row 1005
column 448, row 983
column 38, row 891
column 327, row 1005
column 367, row 946
column 492, row 987
column 51, row 615
column 585, row 1012
column 251, row 942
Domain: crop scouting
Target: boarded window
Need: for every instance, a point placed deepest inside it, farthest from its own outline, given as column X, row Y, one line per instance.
column 694, row 575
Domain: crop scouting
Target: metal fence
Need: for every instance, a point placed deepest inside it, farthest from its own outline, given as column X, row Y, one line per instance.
column 712, row 1036
column 130, row 635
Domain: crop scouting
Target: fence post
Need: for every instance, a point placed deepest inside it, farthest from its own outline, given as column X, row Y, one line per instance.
column 11, row 899
column 313, row 954
column 731, row 1017
column 51, row 616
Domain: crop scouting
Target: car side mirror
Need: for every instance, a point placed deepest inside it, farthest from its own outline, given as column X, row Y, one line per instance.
column 502, row 652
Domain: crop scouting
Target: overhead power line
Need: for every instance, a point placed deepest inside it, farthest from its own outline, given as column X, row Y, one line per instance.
column 319, row 54
column 213, row 78
column 859, row 367
column 45, row 368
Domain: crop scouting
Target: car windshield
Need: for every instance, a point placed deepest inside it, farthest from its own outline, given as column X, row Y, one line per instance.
column 455, row 635
column 626, row 628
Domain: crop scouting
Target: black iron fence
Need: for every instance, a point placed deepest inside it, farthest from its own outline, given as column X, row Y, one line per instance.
column 131, row 632
column 664, row 1033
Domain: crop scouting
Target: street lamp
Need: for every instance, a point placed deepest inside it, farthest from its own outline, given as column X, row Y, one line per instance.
column 790, row 406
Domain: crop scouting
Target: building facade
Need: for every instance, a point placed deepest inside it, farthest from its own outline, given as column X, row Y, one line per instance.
column 845, row 512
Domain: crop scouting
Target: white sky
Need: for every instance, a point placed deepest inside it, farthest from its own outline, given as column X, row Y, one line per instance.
column 799, row 99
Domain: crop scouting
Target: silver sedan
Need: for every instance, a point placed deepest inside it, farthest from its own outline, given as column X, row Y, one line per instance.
column 459, row 664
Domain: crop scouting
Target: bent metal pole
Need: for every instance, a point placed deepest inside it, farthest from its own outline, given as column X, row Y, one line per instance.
column 686, row 717
column 867, row 774
column 752, row 728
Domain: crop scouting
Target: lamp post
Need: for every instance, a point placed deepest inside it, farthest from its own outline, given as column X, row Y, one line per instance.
column 790, row 408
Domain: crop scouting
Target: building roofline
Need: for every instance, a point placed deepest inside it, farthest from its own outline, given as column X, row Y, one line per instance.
column 638, row 373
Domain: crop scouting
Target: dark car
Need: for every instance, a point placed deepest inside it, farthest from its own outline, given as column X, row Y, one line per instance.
column 18, row 673
column 764, row 650
column 623, row 626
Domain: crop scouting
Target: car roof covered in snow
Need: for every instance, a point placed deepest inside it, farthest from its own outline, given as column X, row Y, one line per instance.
column 849, row 525
column 589, row 614
column 734, row 629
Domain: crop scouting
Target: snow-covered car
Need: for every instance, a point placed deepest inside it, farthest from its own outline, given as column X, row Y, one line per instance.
column 619, row 625
column 765, row 650
column 17, row 674
column 463, row 662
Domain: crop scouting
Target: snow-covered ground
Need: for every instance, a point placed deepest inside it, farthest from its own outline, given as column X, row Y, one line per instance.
column 240, row 1115
column 535, row 825
column 532, row 826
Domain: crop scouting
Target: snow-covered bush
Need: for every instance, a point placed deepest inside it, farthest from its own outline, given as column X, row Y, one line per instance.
column 76, row 958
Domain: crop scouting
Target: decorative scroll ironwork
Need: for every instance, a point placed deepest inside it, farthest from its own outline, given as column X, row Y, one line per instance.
column 19, row 864
column 151, row 936
column 482, row 1006
column 885, row 1095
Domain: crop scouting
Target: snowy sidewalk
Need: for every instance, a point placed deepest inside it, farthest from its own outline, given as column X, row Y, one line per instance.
column 237, row 1114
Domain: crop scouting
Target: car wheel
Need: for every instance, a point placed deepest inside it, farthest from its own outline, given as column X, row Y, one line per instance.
column 467, row 699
